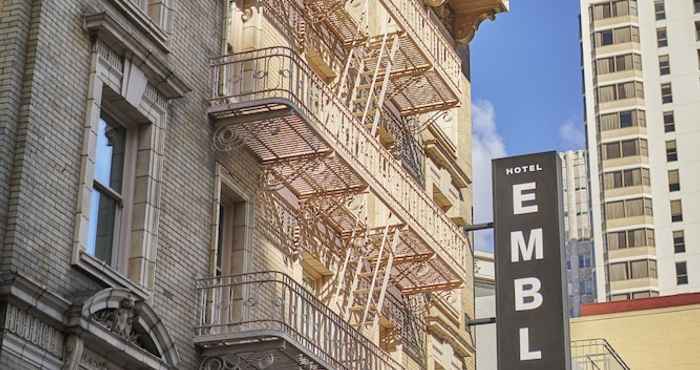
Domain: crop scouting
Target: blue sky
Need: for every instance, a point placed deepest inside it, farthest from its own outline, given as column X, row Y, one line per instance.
column 526, row 89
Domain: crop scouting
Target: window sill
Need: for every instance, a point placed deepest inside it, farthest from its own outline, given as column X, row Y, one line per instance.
column 143, row 23
column 109, row 276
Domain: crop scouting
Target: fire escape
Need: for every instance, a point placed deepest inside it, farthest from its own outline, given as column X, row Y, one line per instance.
column 331, row 118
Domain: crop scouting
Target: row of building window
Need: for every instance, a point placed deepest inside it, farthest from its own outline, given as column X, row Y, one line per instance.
column 626, row 178
column 628, row 208
column 618, row 63
column 624, row 90
column 625, row 148
column 630, row 239
column 611, row 9
column 624, row 119
column 662, row 35
column 639, row 269
column 635, row 295
column 615, row 36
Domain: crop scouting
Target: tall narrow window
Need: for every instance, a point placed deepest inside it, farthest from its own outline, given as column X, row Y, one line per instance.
column 660, row 10
column 669, row 122
column 664, row 65
column 678, row 241
column 671, row 151
column 106, row 199
column 681, row 273
column 662, row 37
column 697, row 6
column 676, row 210
column 674, row 180
column 666, row 93
column 697, row 31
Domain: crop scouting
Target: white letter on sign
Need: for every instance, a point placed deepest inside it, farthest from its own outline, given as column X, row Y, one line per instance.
column 519, row 198
column 525, row 353
column 533, row 292
column 533, row 246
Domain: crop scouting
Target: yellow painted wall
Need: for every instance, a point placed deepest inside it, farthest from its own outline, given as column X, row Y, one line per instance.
column 661, row 339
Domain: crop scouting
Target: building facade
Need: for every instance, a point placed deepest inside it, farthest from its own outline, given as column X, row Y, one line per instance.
column 198, row 184
column 642, row 97
column 485, row 293
column 626, row 327
column 580, row 265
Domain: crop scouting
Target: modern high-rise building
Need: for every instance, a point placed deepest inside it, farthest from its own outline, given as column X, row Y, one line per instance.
column 231, row 184
column 641, row 75
column 580, row 266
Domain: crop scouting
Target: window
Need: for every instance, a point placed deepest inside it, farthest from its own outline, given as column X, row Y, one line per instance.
column 613, row 121
column 642, row 269
column 616, row 36
column 697, row 31
column 584, row 260
column 666, row 93
column 678, row 241
column 626, row 148
column 232, row 228
column 671, row 151
column 664, row 65
column 620, row 91
column 611, row 9
column 612, row 151
column 585, row 287
column 628, row 208
column 618, row 64
column 106, row 203
column 697, row 6
column 674, row 180
column 661, row 37
column 619, row 297
column 669, row 122
column 619, row 271
column 676, row 210
column 660, row 10
column 681, row 273
column 158, row 11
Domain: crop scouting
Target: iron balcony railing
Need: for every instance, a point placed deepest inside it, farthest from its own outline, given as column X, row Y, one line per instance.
column 249, row 80
column 595, row 354
column 415, row 19
column 241, row 308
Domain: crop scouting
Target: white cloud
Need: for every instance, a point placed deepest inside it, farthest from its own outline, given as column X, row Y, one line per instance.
column 572, row 135
column 487, row 144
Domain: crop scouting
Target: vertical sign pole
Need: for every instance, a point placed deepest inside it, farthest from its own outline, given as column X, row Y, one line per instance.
column 531, row 297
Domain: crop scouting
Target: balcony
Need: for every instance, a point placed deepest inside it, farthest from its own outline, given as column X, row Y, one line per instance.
column 595, row 354
column 425, row 44
column 270, row 321
column 271, row 102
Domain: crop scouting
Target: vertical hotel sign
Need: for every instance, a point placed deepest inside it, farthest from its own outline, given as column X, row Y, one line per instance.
column 533, row 327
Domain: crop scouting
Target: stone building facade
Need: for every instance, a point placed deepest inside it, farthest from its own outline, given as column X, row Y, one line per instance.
column 145, row 225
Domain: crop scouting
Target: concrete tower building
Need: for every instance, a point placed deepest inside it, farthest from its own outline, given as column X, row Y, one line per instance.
column 642, row 102
column 580, row 265
column 234, row 184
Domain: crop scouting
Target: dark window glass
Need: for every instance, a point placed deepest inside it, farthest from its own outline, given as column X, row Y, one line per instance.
column 626, row 119
column 681, row 273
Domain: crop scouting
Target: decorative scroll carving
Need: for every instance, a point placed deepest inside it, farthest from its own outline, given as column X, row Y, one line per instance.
column 260, row 361
column 92, row 361
column 25, row 325
column 121, row 320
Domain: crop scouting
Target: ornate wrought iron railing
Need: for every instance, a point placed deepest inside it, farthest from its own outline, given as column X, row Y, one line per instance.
column 271, row 304
column 595, row 354
column 245, row 82
column 415, row 19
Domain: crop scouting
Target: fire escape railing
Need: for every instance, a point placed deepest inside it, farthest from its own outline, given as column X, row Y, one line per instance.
column 415, row 19
column 272, row 304
column 245, row 82
column 595, row 354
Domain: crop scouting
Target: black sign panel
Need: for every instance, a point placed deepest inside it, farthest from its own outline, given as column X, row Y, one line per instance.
column 531, row 312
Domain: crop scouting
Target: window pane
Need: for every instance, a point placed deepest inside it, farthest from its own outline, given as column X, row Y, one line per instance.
column 626, row 119
column 678, row 241
column 618, row 271
column 640, row 269
column 612, row 150
column 615, row 210
column 659, row 10
column 629, row 148
column 634, row 207
column 102, row 227
column 661, row 38
column 109, row 153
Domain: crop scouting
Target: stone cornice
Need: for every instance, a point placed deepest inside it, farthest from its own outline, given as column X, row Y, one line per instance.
column 164, row 79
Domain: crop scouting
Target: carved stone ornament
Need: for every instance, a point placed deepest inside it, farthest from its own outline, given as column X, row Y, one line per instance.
column 120, row 320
